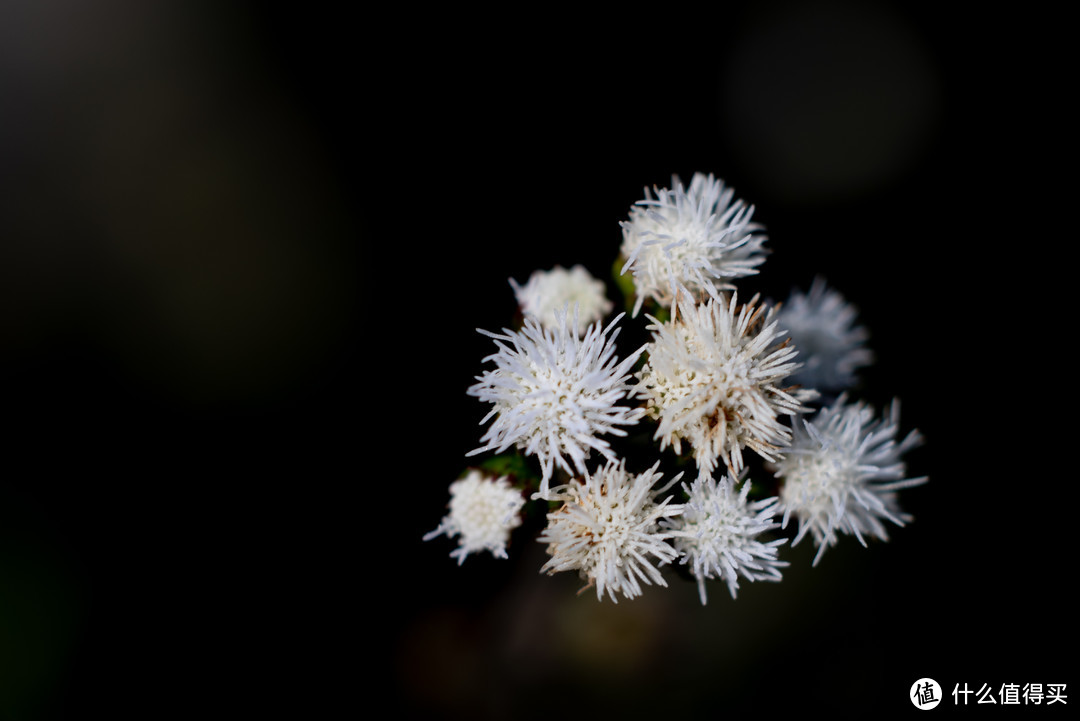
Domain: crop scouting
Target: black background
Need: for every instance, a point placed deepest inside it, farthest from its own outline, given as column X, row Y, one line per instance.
column 245, row 252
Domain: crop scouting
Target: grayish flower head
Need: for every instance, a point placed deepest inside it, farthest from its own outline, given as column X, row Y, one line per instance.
column 687, row 244
column 608, row 529
column 554, row 392
column 841, row 474
column 714, row 379
column 822, row 326
column 717, row 535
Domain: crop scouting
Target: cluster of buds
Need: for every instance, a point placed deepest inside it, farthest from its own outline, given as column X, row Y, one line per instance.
column 752, row 399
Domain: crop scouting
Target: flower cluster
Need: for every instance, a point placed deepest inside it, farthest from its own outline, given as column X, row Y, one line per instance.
column 733, row 389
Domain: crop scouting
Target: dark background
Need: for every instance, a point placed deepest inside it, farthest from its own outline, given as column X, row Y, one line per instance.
column 243, row 254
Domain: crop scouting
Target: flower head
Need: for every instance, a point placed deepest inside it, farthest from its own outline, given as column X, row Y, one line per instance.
column 687, row 244
column 607, row 528
column 548, row 292
column 841, row 474
column 483, row 511
column 554, row 392
column 717, row 535
column 831, row 345
column 713, row 379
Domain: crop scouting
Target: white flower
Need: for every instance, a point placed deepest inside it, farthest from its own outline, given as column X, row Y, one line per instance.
column 554, row 393
column 483, row 511
column 717, row 534
column 687, row 244
column 607, row 528
column 841, row 474
column 713, row 379
column 822, row 326
column 548, row 292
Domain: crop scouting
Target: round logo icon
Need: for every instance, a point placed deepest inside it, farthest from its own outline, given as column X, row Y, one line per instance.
column 925, row 694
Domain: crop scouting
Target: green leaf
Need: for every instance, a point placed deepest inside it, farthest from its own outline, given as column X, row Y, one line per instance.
column 510, row 464
column 625, row 282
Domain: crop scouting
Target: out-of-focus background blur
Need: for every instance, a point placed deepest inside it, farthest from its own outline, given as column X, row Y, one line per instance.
column 243, row 253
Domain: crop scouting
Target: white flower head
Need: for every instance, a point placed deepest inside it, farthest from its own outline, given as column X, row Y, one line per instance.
column 822, row 325
column 608, row 527
column 713, row 379
column 687, row 244
column 548, row 292
column 717, row 535
column 841, row 474
column 554, row 392
column 483, row 511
